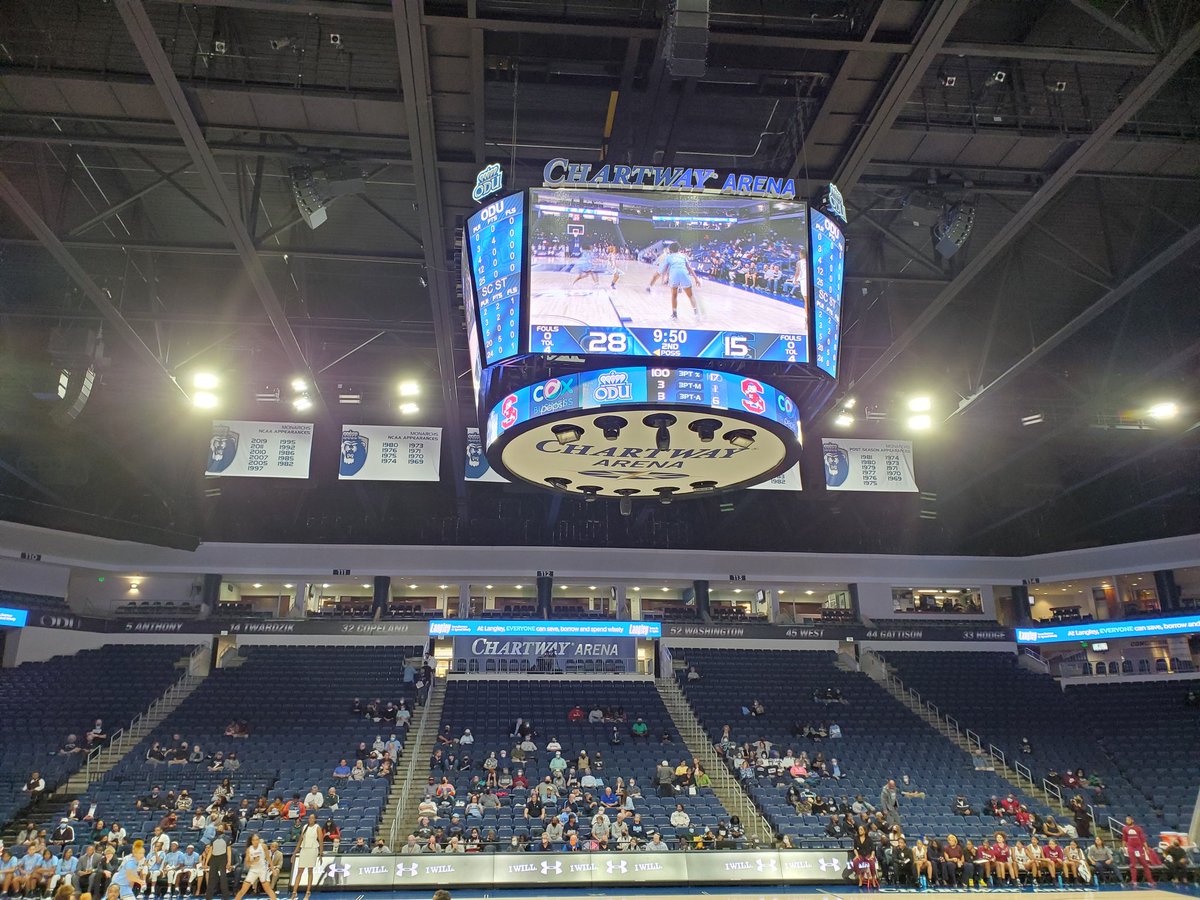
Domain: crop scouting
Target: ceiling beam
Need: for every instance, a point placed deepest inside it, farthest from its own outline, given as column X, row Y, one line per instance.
column 46, row 237
column 121, row 246
column 1101, row 305
column 1138, row 96
column 932, row 34
column 413, row 54
column 146, row 40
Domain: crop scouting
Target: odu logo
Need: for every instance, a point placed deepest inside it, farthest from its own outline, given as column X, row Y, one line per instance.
column 548, row 867
column 613, row 387
column 354, row 453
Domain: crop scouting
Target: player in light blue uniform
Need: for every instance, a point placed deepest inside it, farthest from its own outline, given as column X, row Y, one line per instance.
column 128, row 875
column 679, row 274
column 65, row 871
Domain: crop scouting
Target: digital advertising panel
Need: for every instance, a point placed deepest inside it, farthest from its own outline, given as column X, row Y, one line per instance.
column 496, row 240
column 654, row 273
column 1092, row 631
column 828, row 269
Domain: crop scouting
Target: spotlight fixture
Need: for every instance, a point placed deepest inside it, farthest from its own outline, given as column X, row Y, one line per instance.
column 567, row 433
column 920, row 422
column 705, row 428
column 997, row 77
column 740, row 437
column 205, row 381
column 843, row 420
column 560, row 483
column 408, row 409
column 626, row 495
column 611, row 426
column 949, row 80
column 409, row 388
column 849, row 403
column 666, row 495
column 590, row 492
column 662, row 423
column 920, row 404
column 219, row 48
column 703, row 486
column 335, row 39
column 301, row 403
column 299, row 384
column 1057, row 88
column 204, row 400
column 1164, row 410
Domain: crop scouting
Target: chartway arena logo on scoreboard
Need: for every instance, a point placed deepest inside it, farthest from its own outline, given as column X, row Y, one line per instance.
column 561, row 172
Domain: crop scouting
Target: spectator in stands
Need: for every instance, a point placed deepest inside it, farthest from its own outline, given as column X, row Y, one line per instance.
column 681, row 822
column 63, row 835
column 909, row 789
column 1026, row 747
column 639, row 728
column 756, row 708
column 97, row 733
column 1050, row 828
column 889, row 802
column 1175, row 862
column 35, row 787
column 961, row 807
column 595, row 716
column 1081, row 816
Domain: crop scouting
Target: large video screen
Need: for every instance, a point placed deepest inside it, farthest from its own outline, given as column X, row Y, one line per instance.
column 662, row 274
column 829, row 263
column 496, row 235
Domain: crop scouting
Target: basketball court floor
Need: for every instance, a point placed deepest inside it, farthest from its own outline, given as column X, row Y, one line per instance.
column 558, row 298
column 1164, row 892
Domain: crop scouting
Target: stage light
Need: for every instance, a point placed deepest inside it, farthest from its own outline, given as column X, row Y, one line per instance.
column 409, row 409
column 664, row 590
column 301, row 403
column 1164, row 410
column 205, row 381
column 849, row 403
column 567, row 433
column 409, row 389
column 920, row 404
column 204, row 400
column 740, row 437
column 702, row 486
column 611, row 426
column 666, row 495
column 920, row 422
column 299, row 384
column 558, row 482
column 705, row 428
column 563, row 587
column 590, row 492
column 843, row 420
column 661, row 423
column 626, row 505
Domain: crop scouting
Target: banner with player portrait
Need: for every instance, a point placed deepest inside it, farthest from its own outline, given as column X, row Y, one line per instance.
column 859, row 465
column 478, row 468
column 259, row 449
column 389, row 453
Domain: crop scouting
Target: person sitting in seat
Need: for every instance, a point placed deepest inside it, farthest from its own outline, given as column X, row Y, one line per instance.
column 639, row 729
column 595, row 716
column 576, row 714
column 961, row 807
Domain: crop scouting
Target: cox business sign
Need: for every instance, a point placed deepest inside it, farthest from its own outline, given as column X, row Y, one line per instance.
column 1093, row 631
column 653, row 432
column 537, row 628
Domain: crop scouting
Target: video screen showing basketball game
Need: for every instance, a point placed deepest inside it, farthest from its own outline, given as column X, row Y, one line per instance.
column 662, row 274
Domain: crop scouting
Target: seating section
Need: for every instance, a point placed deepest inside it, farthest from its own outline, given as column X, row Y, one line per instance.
column 881, row 739
column 296, row 702
column 1146, row 762
column 489, row 709
column 38, row 602
column 42, row 703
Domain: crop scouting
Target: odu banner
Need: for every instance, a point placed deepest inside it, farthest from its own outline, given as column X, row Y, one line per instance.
column 259, row 449
column 390, row 453
column 857, row 465
column 583, row 870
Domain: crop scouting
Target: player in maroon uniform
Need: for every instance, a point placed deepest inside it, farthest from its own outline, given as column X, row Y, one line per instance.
column 1138, row 850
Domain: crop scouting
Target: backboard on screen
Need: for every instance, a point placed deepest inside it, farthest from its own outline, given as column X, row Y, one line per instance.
column 668, row 274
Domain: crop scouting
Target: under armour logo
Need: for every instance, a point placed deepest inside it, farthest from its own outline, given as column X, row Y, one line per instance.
column 333, row 870
column 616, row 865
column 826, row 864
column 766, row 865
column 403, row 869
column 548, row 867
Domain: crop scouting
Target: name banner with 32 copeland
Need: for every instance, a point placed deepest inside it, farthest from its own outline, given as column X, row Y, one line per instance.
column 582, row 870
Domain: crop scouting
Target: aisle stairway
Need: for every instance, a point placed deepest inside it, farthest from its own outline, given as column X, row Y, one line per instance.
column 400, row 813
column 724, row 785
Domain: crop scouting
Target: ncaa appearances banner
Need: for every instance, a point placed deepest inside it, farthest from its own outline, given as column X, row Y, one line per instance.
column 259, row 449
column 478, row 468
column 788, row 480
column 582, row 870
column 390, row 453
column 858, row 465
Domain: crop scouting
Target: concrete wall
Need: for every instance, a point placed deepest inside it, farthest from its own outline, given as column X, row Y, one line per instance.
column 33, row 577
column 87, row 594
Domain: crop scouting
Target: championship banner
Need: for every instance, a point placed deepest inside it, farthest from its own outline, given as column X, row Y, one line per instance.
column 858, row 465
column 259, row 449
column 390, row 453
column 787, row 480
column 478, row 468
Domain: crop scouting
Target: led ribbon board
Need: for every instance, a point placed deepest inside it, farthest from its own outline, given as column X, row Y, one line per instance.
column 1093, row 631
column 13, row 618
column 644, row 432
column 539, row 628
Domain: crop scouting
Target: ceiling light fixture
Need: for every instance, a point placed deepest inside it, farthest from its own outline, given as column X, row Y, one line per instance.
column 1163, row 410
column 205, row 381
column 920, row 404
column 409, row 389
column 204, row 400
column 920, row 422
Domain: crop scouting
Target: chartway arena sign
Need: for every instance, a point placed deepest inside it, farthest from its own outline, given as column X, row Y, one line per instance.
column 562, row 172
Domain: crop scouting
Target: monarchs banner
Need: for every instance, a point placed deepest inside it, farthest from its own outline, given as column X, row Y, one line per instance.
column 389, row 453
column 477, row 464
column 857, row 465
column 259, row 449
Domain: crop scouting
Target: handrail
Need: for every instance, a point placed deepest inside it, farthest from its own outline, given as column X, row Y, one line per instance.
column 1053, row 789
column 410, row 747
column 974, row 740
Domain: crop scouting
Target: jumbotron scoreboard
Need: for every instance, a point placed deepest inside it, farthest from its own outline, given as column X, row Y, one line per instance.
column 635, row 330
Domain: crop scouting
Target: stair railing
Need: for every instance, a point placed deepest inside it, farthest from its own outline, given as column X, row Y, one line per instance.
column 411, row 747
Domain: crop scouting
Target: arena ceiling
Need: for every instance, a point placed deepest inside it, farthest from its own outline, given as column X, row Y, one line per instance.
column 144, row 156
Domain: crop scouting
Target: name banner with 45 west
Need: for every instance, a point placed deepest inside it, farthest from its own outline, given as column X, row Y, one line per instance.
column 859, row 465
column 389, row 453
